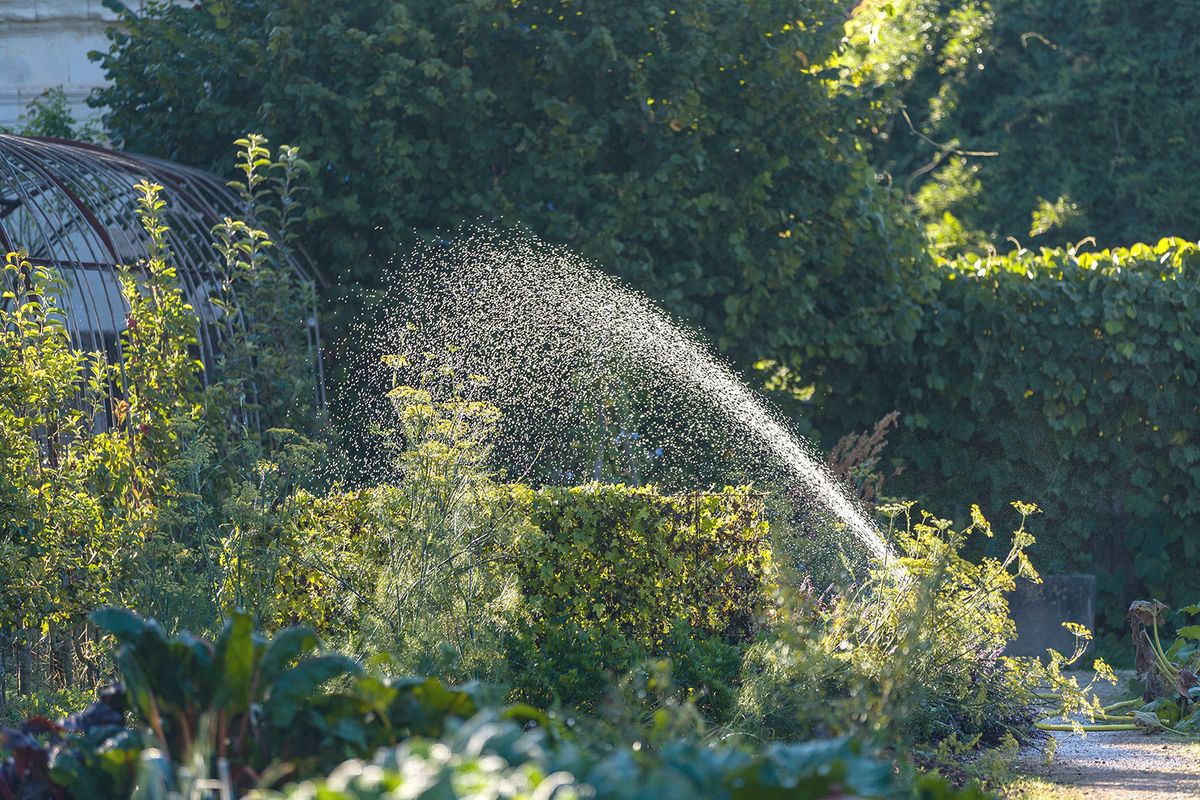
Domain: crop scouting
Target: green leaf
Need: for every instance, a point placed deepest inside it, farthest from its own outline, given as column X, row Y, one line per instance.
column 286, row 646
column 235, row 663
column 424, row 705
column 525, row 713
column 121, row 623
column 137, row 684
column 296, row 687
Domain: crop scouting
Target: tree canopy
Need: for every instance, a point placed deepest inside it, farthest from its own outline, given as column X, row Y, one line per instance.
column 701, row 152
column 1047, row 121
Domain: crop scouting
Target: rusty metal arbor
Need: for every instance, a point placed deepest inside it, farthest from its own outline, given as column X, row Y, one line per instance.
column 72, row 206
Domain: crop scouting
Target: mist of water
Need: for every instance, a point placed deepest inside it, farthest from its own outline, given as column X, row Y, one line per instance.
column 594, row 380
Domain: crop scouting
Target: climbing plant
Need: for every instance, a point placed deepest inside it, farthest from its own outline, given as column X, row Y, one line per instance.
column 1070, row 378
column 1046, row 121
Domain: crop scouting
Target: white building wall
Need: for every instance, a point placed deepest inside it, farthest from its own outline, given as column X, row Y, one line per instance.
column 44, row 43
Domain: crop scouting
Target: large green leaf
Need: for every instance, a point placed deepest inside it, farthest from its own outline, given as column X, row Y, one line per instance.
column 1189, row 632
column 137, row 685
column 284, row 648
column 423, row 705
column 295, row 688
column 120, row 622
column 235, row 663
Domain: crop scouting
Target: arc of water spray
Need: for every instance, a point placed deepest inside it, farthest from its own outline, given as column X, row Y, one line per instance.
column 528, row 315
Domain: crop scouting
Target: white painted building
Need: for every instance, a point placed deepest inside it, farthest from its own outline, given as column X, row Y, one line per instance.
column 43, row 44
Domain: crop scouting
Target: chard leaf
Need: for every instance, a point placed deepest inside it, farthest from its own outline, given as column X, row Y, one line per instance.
column 235, row 662
column 120, row 622
column 287, row 646
column 298, row 685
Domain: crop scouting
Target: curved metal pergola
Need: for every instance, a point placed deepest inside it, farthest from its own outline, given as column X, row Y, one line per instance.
column 72, row 206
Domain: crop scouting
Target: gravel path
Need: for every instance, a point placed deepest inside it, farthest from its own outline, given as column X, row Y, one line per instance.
column 1121, row 764
column 1112, row 765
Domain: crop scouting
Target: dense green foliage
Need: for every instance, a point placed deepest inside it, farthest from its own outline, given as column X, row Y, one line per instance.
column 117, row 478
column 250, row 713
column 1069, row 379
column 611, row 577
column 701, row 151
column 1086, row 106
column 909, row 661
column 599, row 556
column 712, row 156
column 555, row 592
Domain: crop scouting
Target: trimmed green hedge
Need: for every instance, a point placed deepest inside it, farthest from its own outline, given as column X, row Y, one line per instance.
column 632, row 559
column 1065, row 380
column 593, row 580
column 613, row 577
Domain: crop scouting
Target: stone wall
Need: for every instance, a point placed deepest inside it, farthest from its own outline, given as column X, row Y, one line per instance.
column 44, row 43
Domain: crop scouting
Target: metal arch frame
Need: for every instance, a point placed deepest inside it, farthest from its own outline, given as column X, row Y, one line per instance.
column 77, row 204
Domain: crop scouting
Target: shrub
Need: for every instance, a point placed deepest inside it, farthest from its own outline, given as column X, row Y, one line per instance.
column 49, row 114
column 910, row 658
column 253, row 435
column 447, row 567
column 634, row 560
column 613, row 577
column 411, row 568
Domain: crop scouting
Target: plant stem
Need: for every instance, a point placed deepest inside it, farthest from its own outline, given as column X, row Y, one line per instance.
column 1171, row 672
column 1122, row 704
column 1047, row 726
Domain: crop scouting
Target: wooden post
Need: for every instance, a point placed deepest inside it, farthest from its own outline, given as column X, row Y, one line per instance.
column 24, row 665
column 61, row 640
column 5, row 641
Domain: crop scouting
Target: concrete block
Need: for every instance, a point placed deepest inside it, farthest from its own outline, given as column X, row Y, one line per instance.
column 1039, row 611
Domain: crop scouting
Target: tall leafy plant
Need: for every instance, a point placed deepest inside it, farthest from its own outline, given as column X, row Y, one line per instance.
column 160, row 373
column 253, row 437
column 415, row 563
column 269, row 377
column 70, row 498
